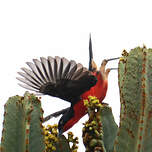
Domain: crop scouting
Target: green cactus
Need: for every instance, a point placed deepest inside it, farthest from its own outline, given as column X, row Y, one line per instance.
column 110, row 128
column 23, row 131
column 100, row 130
column 62, row 145
column 135, row 83
column 22, row 128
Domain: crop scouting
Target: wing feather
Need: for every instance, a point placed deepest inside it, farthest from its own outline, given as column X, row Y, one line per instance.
column 78, row 71
column 27, row 87
column 51, row 68
column 40, row 69
column 66, row 67
column 57, row 77
column 32, row 75
column 46, row 68
column 72, row 69
column 28, row 78
column 28, row 83
column 35, row 71
column 59, row 67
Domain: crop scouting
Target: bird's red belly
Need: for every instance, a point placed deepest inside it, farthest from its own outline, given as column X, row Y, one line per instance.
column 99, row 91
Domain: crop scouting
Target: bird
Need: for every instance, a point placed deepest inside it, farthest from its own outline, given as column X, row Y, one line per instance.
column 69, row 81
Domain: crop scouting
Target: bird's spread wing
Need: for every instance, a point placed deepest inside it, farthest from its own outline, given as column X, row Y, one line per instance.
column 57, row 77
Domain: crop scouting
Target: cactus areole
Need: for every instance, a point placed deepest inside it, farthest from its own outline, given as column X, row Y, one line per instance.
column 69, row 81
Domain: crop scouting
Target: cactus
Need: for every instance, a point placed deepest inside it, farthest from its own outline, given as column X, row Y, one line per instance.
column 22, row 128
column 51, row 137
column 62, row 145
column 135, row 83
column 109, row 128
column 55, row 143
column 100, row 130
column 73, row 141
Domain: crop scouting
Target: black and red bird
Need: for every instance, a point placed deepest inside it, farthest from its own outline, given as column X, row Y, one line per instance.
column 67, row 80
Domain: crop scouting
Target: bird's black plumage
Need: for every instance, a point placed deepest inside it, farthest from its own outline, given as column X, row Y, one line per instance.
column 57, row 77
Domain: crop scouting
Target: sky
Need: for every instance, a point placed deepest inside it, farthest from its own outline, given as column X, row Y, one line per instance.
column 32, row 29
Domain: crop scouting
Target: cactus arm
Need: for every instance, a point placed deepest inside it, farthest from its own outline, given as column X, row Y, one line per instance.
column 36, row 138
column 22, row 129
column 135, row 94
column 109, row 128
column 62, row 145
column 92, row 131
column 13, row 134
